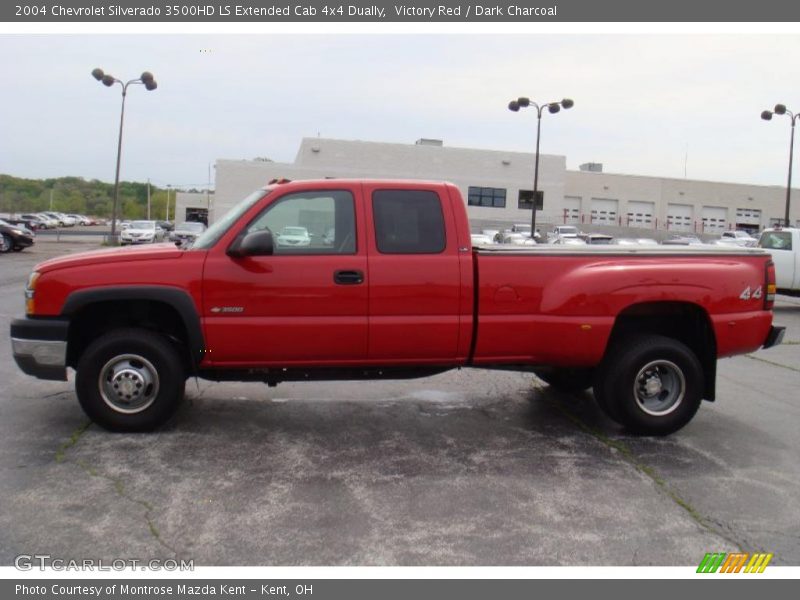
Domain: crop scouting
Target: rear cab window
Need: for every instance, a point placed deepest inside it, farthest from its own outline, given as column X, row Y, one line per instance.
column 408, row 222
column 776, row 240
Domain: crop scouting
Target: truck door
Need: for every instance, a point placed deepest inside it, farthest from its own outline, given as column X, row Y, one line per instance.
column 414, row 275
column 304, row 305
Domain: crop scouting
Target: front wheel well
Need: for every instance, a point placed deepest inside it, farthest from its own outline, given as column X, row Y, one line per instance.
column 683, row 321
column 98, row 318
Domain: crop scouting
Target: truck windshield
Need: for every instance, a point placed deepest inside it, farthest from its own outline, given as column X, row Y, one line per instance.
column 218, row 229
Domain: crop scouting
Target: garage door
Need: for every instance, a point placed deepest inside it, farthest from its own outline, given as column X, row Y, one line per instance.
column 748, row 216
column 714, row 219
column 679, row 217
column 604, row 211
column 572, row 209
column 640, row 214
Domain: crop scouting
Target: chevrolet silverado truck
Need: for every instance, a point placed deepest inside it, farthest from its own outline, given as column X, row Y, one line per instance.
column 389, row 286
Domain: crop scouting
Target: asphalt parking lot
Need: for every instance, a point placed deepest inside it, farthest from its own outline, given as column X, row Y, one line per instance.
column 466, row 468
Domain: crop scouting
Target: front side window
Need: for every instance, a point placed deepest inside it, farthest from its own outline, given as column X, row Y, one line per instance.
column 317, row 222
column 408, row 222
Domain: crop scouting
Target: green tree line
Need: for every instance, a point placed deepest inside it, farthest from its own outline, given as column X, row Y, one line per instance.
column 81, row 196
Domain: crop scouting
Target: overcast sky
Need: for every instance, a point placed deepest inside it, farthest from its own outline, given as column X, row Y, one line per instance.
column 642, row 103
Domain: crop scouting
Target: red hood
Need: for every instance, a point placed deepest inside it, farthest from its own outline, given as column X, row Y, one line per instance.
column 111, row 255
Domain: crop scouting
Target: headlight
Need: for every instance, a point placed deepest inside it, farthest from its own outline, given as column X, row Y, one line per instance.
column 17, row 232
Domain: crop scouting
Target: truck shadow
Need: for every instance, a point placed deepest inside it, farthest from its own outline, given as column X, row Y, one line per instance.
column 386, row 474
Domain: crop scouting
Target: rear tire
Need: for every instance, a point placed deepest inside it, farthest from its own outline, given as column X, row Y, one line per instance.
column 130, row 380
column 653, row 385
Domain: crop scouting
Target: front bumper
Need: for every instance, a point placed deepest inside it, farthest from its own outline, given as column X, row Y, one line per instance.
column 136, row 240
column 39, row 347
column 23, row 241
column 774, row 337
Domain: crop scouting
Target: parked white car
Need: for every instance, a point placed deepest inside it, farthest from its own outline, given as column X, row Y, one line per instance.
column 50, row 222
column 62, row 219
column 141, row 232
column 560, row 231
column 784, row 246
column 737, row 238
column 517, row 239
column 294, row 236
column 479, row 239
column 80, row 219
column 568, row 240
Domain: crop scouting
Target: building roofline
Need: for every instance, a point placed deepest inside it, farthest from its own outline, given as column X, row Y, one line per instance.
column 677, row 179
column 442, row 148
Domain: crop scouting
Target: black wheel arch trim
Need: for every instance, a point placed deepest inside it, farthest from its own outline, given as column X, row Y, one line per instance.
column 177, row 298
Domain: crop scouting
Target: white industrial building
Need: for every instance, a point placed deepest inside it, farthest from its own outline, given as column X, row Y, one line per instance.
column 497, row 187
column 193, row 206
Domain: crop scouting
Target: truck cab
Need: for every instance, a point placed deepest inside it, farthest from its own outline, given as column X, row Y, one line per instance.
column 783, row 244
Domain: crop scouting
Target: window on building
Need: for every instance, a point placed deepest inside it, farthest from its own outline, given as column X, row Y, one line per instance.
column 486, row 196
column 525, row 200
column 408, row 222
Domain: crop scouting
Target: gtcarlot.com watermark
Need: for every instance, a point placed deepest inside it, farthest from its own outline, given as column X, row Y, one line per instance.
column 42, row 562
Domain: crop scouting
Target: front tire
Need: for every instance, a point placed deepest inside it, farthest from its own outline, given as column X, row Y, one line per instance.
column 130, row 380
column 6, row 243
column 652, row 385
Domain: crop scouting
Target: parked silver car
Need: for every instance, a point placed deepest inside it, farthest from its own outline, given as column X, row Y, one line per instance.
column 186, row 233
column 141, row 232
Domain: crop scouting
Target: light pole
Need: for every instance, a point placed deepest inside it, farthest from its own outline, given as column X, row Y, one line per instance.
column 147, row 80
column 780, row 109
column 552, row 107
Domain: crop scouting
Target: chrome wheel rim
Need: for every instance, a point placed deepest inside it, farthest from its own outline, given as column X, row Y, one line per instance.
column 659, row 388
column 128, row 383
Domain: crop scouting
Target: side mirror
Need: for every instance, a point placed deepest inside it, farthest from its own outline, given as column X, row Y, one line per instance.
column 256, row 243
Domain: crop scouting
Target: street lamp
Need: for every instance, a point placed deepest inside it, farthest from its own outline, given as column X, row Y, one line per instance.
column 780, row 109
column 552, row 107
column 147, row 80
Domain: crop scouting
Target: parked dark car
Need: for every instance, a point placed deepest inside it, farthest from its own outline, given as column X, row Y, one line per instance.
column 166, row 225
column 14, row 237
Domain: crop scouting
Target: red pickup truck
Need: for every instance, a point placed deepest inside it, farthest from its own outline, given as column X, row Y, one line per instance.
column 345, row 279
